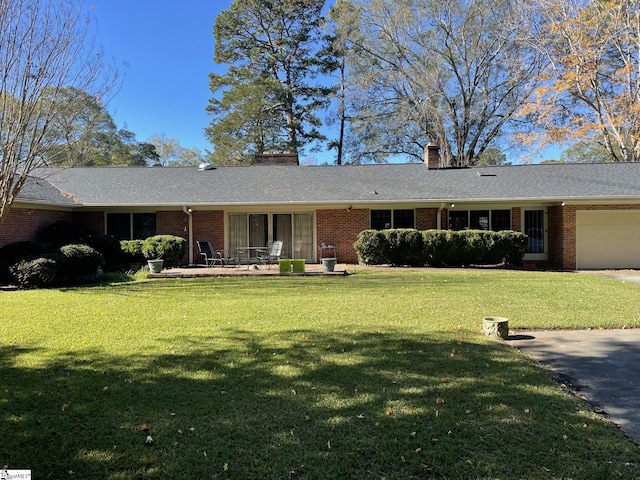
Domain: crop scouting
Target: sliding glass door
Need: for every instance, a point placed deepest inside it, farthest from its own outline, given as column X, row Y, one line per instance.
column 258, row 229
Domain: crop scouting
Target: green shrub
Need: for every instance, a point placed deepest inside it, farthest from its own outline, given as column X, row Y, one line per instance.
column 170, row 248
column 81, row 262
column 440, row 248
column 36, row 272
column 132, row 252
column 59, row 233
column 512, row 246
column 372, row 247
column 405, row 247
column 109, row 247
column 12, row 253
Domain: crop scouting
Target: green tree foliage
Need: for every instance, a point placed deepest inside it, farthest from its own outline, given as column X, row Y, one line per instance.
column 172, row 154
column 268, row 98
column 45, row 48
column 88, row 136
column 454, row 73
column 492, row 157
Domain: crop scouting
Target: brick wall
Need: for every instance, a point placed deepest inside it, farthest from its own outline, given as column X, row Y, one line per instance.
column 24, row 223
column 426, row 218
column 208, row 226
column 516, row 219
column 341, row 228
column 556, row 235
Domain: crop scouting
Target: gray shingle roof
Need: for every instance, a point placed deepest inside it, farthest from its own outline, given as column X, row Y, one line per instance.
column 131, row 186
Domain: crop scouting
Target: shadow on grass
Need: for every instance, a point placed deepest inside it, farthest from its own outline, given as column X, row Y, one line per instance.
column 301, row 405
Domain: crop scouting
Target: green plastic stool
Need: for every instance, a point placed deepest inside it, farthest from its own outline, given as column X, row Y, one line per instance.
column 298, row 265
column 285, row 266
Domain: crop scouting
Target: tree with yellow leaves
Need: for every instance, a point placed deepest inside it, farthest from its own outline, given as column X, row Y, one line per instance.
column 591, row 86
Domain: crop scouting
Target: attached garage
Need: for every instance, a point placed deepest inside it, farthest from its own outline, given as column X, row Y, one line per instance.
column 607, row 239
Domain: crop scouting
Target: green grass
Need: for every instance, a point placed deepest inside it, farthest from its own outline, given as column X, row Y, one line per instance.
column 381, row 374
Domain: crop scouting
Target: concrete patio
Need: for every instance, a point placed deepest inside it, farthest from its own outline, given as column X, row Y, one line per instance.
column 311, row 269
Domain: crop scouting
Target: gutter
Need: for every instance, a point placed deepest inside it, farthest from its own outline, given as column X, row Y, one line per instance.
column 187, row 212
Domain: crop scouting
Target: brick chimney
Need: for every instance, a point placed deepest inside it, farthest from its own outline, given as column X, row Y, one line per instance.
column 432, row 156
column 276, row 159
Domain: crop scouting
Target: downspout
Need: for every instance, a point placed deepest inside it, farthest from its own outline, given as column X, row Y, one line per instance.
column 187, row 212
column 439, row 219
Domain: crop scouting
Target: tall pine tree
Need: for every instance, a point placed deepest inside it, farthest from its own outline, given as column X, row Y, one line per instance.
column 268, row 98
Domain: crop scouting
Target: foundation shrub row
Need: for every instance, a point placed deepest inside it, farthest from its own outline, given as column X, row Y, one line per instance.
column 440, row 248
column 62, row 255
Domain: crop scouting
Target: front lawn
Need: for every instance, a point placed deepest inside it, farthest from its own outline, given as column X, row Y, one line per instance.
column 380, row 374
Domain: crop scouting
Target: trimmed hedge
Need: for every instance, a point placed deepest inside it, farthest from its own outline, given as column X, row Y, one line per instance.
column 12, row 253
column 37, row 272
column 109, row 247
column 81, row 262
column 440, row 248
column 170, row 248
column 132, row 252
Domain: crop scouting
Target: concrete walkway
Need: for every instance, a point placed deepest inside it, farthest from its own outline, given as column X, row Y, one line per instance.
column 603, row 366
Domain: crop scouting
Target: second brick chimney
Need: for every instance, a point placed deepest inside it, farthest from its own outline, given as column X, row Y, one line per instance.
column 432, row 156
column 276, row 159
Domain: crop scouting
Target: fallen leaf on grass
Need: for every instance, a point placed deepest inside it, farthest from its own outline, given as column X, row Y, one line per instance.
column 389, row 411
column 66, row 406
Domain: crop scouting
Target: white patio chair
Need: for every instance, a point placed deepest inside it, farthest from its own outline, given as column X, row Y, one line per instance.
column 270, row 255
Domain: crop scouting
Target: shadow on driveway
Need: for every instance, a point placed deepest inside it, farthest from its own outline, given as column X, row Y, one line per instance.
column 603, row 366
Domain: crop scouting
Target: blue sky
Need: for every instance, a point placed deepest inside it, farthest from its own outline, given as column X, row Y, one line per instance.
column 168, row 46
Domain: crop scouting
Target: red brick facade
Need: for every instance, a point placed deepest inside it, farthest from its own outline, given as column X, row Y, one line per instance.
column 341, row 228
column 338, row 227
column 24, row 223
column 208, row 226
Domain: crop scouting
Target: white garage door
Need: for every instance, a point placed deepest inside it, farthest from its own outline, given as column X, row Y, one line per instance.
column 608, row 239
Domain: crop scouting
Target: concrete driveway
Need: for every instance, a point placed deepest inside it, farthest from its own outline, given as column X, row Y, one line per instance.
column 603, row 366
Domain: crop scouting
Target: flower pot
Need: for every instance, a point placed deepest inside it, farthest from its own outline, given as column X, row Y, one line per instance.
column 328, row 264
column 495, row 327
column 155, row 266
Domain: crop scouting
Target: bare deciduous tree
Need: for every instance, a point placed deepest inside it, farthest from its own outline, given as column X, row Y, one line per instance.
column 454, row 73
column 45, row 47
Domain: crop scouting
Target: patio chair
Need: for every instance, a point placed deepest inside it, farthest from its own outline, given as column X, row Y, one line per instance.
column 211, row 256
column 270, row 255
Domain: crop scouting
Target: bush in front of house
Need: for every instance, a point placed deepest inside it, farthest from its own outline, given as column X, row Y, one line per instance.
column 12, row 253
column 109, row 247
column 35, row 272
column 132, row 252
column 81, row 262
column 440, row 248
column 372, row 247
column 405, row 247
column 512, row 246
column 170, row 248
